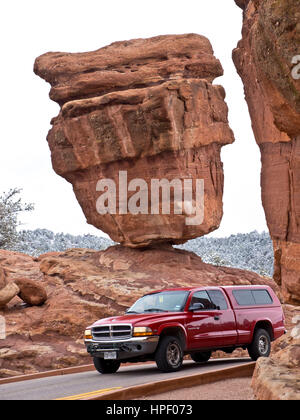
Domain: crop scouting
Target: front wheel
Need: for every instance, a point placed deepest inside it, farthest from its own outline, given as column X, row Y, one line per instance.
column 169, row 355
column 201, row 357
column 106, row 366
column 261, row 344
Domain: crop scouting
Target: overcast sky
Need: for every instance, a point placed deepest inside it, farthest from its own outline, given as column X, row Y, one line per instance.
column 30, row 28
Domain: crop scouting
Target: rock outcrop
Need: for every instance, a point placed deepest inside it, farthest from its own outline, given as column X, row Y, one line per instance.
column 147, row 108
column 277, row 377
column 265, row 59
column 7, row 290
column 31, row 292
column 85, row 285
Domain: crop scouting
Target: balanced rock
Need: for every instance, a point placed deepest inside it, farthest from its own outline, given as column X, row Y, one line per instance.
column 267, row 59
column 134, row 112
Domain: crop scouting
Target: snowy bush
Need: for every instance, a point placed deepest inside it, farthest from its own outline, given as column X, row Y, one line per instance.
column 40, row 241
column 249, row 251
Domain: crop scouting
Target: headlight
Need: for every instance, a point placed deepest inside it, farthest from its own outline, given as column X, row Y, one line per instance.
column 88, row 335
column 142, row 331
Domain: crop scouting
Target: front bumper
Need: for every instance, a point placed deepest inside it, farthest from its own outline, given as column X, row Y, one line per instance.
column 125, row 349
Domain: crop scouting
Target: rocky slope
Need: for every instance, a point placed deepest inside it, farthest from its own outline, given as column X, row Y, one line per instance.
column 277, row 377
column 146, row 108
column 263, row 58
column 84, row 285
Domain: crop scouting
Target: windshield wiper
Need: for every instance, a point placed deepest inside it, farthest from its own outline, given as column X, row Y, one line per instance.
column 155, row 310
column 132, row 312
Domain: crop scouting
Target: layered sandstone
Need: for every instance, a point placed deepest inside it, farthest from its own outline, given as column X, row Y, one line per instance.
column 147, row 108
column 277, row 377
column 85, row 285
column 264, row 60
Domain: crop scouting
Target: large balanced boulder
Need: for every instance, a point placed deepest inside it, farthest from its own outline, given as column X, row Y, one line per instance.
column 134, row 112
column 266, row 59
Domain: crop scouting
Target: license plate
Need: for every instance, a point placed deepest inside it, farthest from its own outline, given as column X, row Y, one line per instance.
column 110, row 355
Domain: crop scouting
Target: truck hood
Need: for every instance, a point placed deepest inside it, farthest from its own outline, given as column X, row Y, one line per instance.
column 135, row 319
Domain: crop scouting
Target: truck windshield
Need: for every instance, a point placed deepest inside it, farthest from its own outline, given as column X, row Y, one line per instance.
column 172, row 301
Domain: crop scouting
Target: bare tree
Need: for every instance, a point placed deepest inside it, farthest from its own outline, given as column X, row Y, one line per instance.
column 11, row 206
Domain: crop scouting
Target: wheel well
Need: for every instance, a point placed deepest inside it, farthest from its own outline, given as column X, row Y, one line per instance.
column 265, row 325
column 174, row 332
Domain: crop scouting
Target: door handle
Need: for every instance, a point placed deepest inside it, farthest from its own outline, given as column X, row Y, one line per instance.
column 216, row 317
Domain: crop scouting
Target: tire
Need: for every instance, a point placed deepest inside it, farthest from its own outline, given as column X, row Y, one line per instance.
column 106, row 366
column 261, row 344
column 169, row 355
column 201, row 357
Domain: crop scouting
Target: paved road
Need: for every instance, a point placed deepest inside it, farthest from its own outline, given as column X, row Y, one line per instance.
column 87, row 382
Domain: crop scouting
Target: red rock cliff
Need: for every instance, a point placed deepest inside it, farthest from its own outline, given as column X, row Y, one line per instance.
column 265, row 60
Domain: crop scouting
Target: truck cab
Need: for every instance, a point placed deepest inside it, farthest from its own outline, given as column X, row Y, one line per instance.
column 165, row 325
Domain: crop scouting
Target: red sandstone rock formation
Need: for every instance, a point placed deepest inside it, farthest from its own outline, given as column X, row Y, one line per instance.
column 85, row 285
column 8, row 290
column 31, row 292
column 277, row 377
column 147, row 107
column 263, row 58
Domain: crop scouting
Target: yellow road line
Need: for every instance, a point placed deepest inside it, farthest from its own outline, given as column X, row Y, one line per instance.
column 89, row 394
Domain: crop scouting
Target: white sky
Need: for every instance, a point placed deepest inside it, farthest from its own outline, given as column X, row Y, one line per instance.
column 30, row 28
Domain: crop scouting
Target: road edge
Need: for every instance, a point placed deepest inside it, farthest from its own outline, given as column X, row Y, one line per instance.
column 158, row 387
column 47, row 374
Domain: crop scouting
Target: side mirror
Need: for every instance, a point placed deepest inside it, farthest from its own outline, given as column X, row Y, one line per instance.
column 196, row 307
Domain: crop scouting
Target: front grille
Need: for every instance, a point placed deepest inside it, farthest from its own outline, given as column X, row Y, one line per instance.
column 108, row 332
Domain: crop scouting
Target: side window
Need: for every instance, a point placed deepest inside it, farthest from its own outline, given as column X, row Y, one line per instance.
column 252, row 297
column 202, row 297
column 218, row 299
column 244, row 297
column 262, row 297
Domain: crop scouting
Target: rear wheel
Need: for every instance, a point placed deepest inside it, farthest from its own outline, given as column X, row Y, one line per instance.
column 261, row 344
column 169, row 355
column 201, row 357
column 106, row 366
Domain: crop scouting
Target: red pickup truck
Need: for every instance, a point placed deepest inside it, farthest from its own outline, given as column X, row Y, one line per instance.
column 165, row 325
